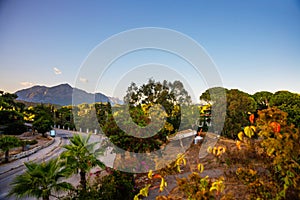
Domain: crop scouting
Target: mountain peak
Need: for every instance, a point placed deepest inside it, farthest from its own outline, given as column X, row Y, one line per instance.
column 62, row 95
column 63, row 85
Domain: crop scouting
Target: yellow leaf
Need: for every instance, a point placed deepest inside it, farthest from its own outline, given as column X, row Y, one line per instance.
column 209, row 149
column 212, row 188
column 249, row 132
column 215, row 151
column 184, row 161
column 240, row 135
column 253, row 128
column 162, row 185
column 270, row 151
column 200, row 168
column 150, row 174
column 145, row 190
column 178, row 168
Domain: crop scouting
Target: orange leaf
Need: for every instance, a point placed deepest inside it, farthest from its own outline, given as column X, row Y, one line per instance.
column 275, row 126
column 251, row 118
column 238, row 144
column 157, row 176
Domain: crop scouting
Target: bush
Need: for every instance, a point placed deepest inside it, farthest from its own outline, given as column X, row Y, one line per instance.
column 14, row 128
column 118, row 185
column 31, row 142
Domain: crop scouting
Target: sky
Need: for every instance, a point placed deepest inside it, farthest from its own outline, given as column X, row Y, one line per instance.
column 254, row 45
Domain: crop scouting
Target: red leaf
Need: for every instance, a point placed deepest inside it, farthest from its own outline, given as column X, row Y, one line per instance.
column 251, row 118
column 275, row 126
column 157, row 176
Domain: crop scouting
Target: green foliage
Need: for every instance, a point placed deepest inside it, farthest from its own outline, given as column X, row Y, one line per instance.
column 115, row 185
column 262, row 99
column 40, row 180
column 213, row 95
column 86, row 116
column 216, row 97
column 7, row 101
column 11, row 117
column 279, row 146
column 7, row 142
column 80, row 157
column 166, row 94
column 12, row 122
column 282, row 148
column 153, row 106
column 290, row 103
column 24, row 143
column 238, row 105
column 43, row 118
column 195, row 187
column 102, row 112
column 118, row 185
column 64, row 117
column 42, row 125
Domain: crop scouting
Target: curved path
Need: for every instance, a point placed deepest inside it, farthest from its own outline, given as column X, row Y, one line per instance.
column 10, row 170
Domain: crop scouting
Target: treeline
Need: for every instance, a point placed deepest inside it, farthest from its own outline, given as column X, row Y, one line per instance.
column 137, row 127
column 240, row 105
column 179, row 112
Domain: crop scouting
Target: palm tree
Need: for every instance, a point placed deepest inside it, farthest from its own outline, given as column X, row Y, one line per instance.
column 7, row 142
column 40, row 180
column 80, row 157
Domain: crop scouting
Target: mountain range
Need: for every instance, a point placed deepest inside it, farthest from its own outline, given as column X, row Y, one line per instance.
column 62, row 95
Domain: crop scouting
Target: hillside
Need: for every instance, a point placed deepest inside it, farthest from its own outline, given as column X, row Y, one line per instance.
column 62, row 95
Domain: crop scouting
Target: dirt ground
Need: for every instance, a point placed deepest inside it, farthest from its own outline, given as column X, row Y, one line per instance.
column 225, row 166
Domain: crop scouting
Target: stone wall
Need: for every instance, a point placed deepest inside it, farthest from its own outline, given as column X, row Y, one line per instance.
column 28, row 153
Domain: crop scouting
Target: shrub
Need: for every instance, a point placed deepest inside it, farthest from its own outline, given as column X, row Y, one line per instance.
column 118, row 185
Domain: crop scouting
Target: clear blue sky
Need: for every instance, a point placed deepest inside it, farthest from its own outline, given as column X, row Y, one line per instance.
column 254, row 44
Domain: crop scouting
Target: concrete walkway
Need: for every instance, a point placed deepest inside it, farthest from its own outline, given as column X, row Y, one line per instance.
column 5, row 167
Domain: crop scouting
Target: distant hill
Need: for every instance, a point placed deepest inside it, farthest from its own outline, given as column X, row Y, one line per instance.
column 62, row 95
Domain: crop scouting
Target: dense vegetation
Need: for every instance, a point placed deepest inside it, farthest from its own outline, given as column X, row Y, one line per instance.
column 264, row 125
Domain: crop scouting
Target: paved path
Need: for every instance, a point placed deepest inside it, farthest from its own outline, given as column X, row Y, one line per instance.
column 5, row 167
column 9, row 171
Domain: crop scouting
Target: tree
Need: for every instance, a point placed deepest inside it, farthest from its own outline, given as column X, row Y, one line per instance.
column 6, row 143
column 118, row 185
column 85, row 116
column 64, row 117
column 80, row 156
column 262, row 99
column 11, row 116
column 43, row 118
column 42, row 125
column 165, row 93
column 290, row 103
column 213, row 95
column 153, row 112
column 171, row 96
column 238, row 105
column 40, row 180
column 216, row 98
column 281, row 143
